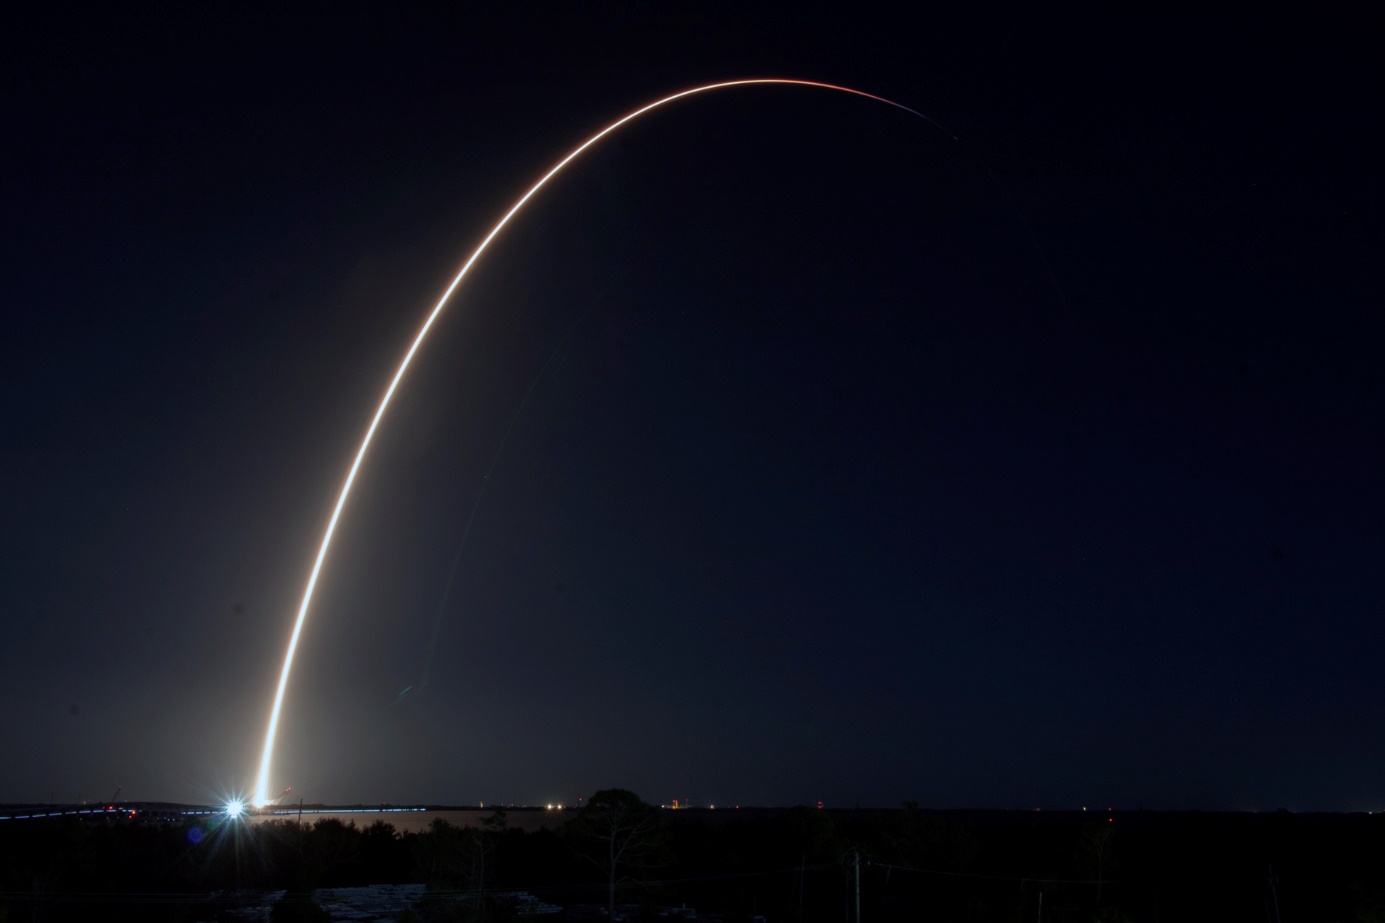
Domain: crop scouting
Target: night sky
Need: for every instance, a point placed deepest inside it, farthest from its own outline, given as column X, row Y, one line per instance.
column 819, row 455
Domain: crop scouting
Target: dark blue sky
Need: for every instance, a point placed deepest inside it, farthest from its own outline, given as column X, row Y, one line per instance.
column 1035, row 468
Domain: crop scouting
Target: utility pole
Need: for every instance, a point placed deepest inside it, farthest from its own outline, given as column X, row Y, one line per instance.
column 802, row 861
column 1274, row 895
column 856, row 861
column 1041, row 907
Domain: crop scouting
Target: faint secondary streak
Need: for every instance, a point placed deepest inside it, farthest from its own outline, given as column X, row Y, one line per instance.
column 476, row 504
column 262, row 785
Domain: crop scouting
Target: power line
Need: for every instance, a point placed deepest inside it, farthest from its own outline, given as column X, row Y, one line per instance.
column 1021, row 878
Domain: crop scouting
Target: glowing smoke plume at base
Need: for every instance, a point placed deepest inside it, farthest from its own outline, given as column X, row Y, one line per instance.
column 262, row 784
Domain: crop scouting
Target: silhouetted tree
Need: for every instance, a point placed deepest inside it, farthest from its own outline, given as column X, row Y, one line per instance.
column 480, row 847
column 814, row 839
column 1096, row 843
column 384, row 857
column 329, row 846
column 618, row 832
column 439, row 853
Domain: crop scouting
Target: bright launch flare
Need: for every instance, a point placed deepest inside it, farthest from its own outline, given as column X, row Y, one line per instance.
column 262, row 785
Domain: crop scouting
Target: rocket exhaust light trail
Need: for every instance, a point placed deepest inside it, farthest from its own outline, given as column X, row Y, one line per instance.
column 262, row 784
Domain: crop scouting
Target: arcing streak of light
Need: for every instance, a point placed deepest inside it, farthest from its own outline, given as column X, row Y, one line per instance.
column 262, row 785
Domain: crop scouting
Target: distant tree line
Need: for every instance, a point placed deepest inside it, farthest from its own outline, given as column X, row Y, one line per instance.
column 621, row 858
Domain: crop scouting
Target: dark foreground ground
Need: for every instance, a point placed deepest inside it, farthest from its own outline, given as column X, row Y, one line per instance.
column 796, row 864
